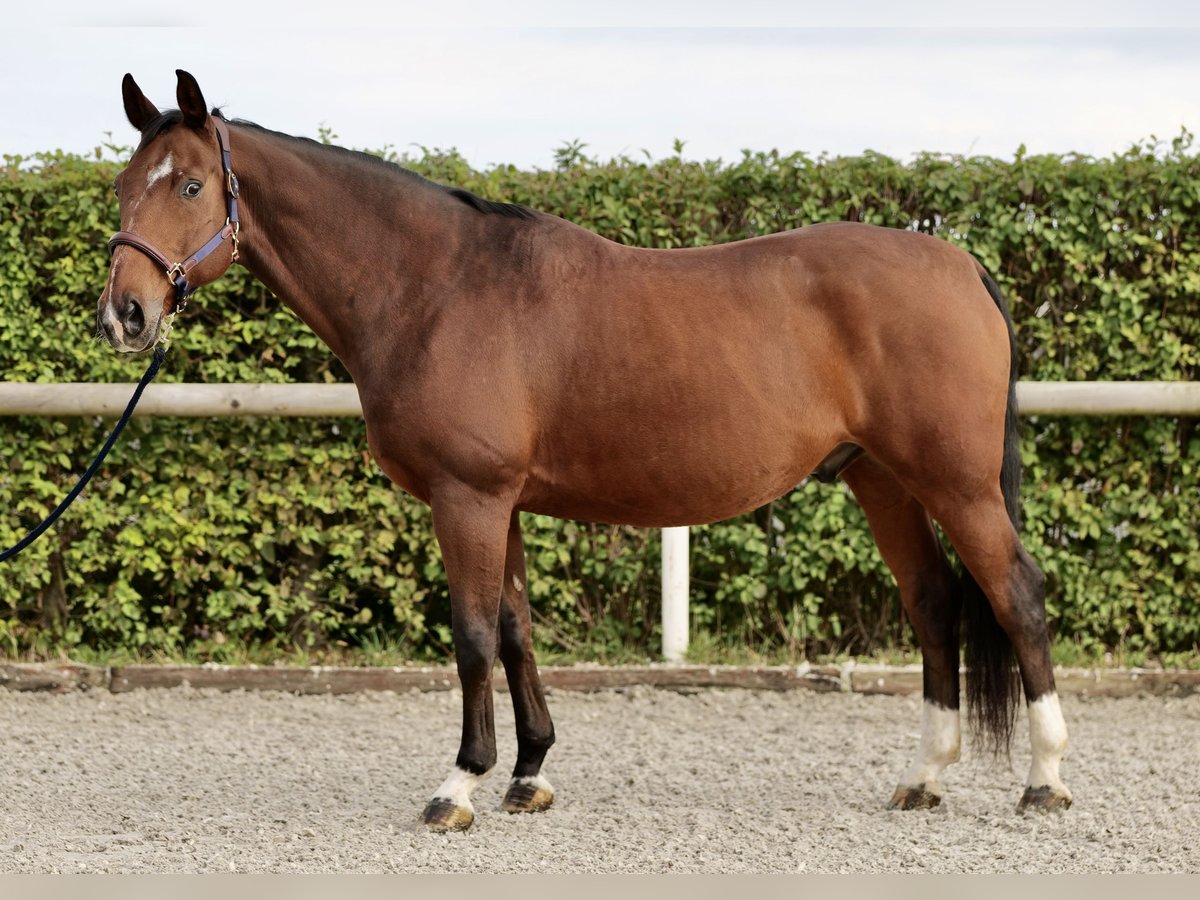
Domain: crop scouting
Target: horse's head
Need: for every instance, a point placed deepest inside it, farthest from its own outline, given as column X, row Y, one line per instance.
column 175, row 196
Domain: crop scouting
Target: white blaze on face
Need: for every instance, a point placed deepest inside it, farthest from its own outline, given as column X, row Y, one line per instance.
column 1048, row 740
column 161, row 171
column 109, row 315
column 164, row 168
column 941, row 740
column 458, row 786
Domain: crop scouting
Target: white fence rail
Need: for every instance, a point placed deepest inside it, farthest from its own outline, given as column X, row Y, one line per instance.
column 1066, row 398
column 188, row 399
column 1063, row 398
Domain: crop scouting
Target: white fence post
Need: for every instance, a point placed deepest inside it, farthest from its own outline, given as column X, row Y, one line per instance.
column 674, row 593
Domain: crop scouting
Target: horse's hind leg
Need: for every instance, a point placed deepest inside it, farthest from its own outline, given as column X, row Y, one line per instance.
column 929, row 592
column 529, row 791
column 1013, row 587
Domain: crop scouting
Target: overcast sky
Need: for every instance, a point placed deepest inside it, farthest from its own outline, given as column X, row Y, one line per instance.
column 446, row 75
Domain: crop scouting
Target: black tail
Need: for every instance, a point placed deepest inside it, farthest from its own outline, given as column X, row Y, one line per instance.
column 993, row 683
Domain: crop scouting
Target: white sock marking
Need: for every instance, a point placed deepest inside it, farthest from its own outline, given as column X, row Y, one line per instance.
column 538, row 782
column 941, row 740
column 458, row 786
column 1048, row 739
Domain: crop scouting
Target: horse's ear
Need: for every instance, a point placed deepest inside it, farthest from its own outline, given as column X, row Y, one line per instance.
column 140, row 111
column 191, row 101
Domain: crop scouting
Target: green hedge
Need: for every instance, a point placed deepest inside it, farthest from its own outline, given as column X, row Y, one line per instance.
column 200, row 535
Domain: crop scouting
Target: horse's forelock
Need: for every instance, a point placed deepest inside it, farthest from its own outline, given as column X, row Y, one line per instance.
column 165, row 120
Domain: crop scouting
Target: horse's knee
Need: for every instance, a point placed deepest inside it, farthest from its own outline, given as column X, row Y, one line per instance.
column 474, row 652
column 535, row 737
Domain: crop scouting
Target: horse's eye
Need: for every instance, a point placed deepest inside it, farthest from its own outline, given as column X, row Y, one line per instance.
column 192, row 189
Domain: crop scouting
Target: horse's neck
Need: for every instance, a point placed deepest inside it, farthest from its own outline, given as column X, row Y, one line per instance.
column 333, row 239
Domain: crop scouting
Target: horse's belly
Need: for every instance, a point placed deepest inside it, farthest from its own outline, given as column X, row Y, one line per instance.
column 663, row 485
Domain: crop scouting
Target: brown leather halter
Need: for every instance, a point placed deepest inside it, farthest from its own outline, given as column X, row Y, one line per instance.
column 177, row 273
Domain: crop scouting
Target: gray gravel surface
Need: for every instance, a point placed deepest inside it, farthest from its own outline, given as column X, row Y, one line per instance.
column 648, row 781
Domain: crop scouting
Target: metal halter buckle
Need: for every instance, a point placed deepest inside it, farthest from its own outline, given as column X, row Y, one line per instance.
column 164, row 331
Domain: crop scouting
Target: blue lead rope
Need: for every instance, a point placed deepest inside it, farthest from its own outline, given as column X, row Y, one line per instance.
column 160, row 353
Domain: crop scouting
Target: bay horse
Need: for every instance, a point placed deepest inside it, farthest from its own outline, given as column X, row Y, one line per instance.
column 508, row 360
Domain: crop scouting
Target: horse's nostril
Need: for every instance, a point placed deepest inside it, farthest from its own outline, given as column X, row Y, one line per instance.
column 133, row 318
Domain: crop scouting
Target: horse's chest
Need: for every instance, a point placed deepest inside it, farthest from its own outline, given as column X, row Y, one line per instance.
column 391, row 450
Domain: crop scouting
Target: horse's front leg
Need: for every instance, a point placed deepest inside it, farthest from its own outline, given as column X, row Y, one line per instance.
column 529, row 791
column 472, row 531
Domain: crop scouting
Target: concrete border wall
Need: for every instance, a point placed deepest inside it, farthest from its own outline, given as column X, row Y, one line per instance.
column 847, row 677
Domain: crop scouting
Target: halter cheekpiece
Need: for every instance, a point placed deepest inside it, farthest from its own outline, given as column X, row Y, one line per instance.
column 177, row 273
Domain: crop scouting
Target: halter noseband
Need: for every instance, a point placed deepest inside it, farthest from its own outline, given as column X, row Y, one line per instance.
column 177, row 273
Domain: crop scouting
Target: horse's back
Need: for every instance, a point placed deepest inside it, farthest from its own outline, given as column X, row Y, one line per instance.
column 721, row 376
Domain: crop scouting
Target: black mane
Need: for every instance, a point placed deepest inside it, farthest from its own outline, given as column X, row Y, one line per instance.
column 170, row 117
column 512, row 210
column 165, row 120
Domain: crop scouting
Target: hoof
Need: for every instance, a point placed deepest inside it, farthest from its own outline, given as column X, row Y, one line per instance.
column 445, row 815
column 917, row 797
column 528, row 795
column 1044, row 799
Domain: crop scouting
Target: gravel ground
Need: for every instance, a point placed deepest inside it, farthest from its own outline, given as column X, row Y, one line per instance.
column 648, row 781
